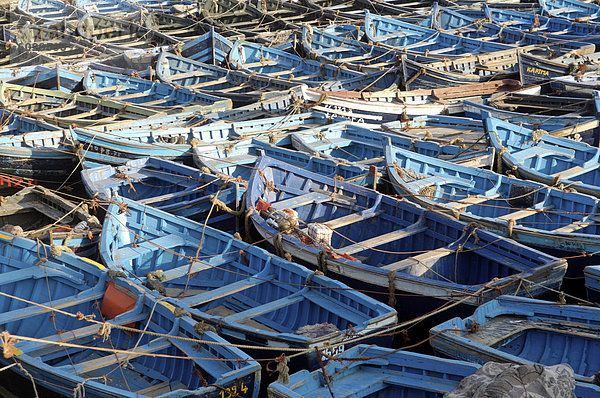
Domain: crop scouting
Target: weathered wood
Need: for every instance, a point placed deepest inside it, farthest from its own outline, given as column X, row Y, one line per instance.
column 383, row 239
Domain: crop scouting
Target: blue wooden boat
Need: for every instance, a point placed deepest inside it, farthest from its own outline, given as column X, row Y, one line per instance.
column 544, row 158
column 166, row 185
column 370, row 371
column 176, row 143
column 525, row 331
column 119, row 34
column 592, row 283
column 49, row 10
column 151, row 94
column 67, row 109
column 463, row 132
column 585, row 32
column 529, row 212
column 210, row 48
column 388, row 245
column 453, row 21
column 248, row 294
column 570, row 9
column 535, row 69
column 51, row 78
column 552, row 114
column 78, row 285
column 417, row 75
column 340, row 49
column 372, row 109
column 397, row 34
column 36, row 212
column 113, row 8
column 348, row 143
column 33, row 151
column 582, row 84
column 177, row 7
column 238, row 159
column 242, row 88
column 267, row 61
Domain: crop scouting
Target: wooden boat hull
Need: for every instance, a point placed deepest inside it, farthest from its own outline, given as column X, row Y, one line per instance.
column 507, row 324
column 362, row 275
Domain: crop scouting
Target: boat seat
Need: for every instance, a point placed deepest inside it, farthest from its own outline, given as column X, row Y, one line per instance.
column 301, row 200
column 196, row 266
column 127, row 253
column 413, row 229
column 70, row 301
column 266, row 308
column 36, row 350
column 519, row 214
column 74, row 277
column 214, row 368
column 227, row 290
column 351, row 219
column 157, row 344
column 577, row 225
column 543, row 150
column 438, row 180
column 568, row 173
column 470, row 200
column 419, row 264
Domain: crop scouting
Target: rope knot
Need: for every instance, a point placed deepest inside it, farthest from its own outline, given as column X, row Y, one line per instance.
column 8, row 342
column 104, row 331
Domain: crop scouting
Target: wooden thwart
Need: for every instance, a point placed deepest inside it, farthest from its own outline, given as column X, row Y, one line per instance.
column 383, row 239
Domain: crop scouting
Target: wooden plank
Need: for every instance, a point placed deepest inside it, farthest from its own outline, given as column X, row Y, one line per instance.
column 112, row 359
column 569, row 172
column 265, row 308
column 351, row 219
column 517, row 215
column 178, row 272
column 302, row 200
column 577, row 225
column 419, row 264
column 471, row 200
column 149, row 246
column 66, row 302
column 226, row 290
column 383, row 239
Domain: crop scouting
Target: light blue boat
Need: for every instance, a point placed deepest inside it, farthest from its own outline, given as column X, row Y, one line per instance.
column 529, row 212
column 377, row 372
column 346, row 142
column 176, row 143
column 242, row 88
column 248, row 294
column 151, row 94
column 541, row 157
column 570, row 9
column 399, row 35
column 58, row 288
column 382, row 373
column 166, row 185
column 523, row 330
column 267, row 61
column 238, row 159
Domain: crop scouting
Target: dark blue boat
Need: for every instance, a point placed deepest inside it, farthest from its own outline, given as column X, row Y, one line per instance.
column 370, row 240
column 248, row 294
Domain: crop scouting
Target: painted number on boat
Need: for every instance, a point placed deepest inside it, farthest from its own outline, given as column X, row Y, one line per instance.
column 332, row 352
column 234, row 391
column 537, row 71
